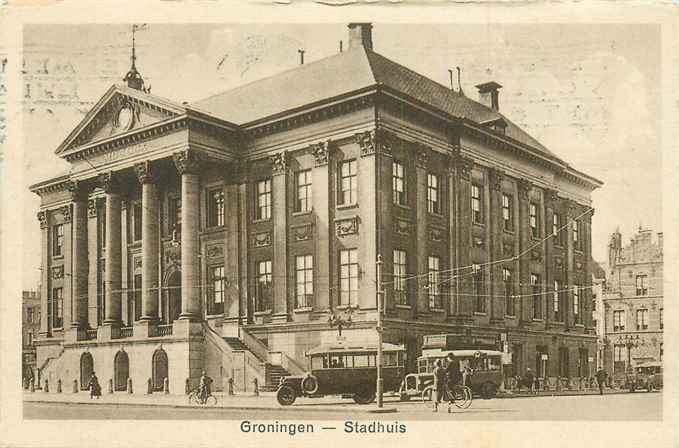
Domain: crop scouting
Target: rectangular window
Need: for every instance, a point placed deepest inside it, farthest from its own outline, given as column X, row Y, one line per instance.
column 661, row 321
column 556, row 229
column 433, row 193
column 263, row 200
column 348, row 183
column 508, row 281
column 477, row 204
column 555, row 300
column 304, row 292
column 400, row 268
column 577, row 243
column 264, row 286
column 137, row 297
column 398, row 183
column 175, row 210
column 58, row 307
column 619, row 320
column 642, row 319
column 507, row 212
column 304, row 199
column 348, row 277
column 136, row 221
column 642, row 285
column 29, row 315
column 576, row 304
column 536, row 292
column 217, row 287
column 434, row 291
column 215, row 208
column 58, row 240
column 533, row 218
column 477, row 283
column 619, row 353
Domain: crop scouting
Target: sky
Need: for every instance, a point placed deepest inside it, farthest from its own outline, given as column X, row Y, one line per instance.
column 589, row 93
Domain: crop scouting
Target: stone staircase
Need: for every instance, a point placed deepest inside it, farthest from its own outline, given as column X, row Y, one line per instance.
column 272, row 374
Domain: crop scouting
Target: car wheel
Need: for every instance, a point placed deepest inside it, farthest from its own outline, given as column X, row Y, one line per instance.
column 364, row 397
column 310, row 385
column 286, row 395
column 488, row 390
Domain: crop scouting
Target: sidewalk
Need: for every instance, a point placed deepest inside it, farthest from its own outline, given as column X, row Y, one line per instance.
column 554, row 393
column 266, row 400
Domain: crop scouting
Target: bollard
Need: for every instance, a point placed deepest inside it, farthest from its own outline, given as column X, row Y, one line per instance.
column 187, row 387
column 230, row 382
column 129, row 385
column 255, row 387
column 31, row 385
column 75, row 386
column 59, row 386
column 110, row 386
column 149, row 387
column 166, row 386
column 47, row 385
column 24, row 383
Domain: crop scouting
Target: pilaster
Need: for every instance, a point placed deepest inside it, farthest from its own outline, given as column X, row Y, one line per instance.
column 323, row 265
column 43, row 219
column 465, row 301
column 422, row 224
column 279, row 209
column 497, row 300
column 523, row 229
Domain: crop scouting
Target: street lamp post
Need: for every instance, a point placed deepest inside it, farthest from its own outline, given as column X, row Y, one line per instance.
column 629, row 342
column 380, row 300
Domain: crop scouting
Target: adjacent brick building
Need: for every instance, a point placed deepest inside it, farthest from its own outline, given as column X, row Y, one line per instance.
column 633, row 301
column 30, row 326
column 225, row 234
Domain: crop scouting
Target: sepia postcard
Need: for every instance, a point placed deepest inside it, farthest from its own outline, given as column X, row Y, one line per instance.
column 299, row 223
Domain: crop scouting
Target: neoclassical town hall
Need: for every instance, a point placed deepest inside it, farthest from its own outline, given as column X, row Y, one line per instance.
column 233, row 234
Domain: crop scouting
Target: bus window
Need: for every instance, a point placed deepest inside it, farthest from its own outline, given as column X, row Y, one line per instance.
column 360, row 360
column 371, row 360
column 336, row 361
column 422, row 366
column 494, row 363
column 390, row 359
column 318, row 362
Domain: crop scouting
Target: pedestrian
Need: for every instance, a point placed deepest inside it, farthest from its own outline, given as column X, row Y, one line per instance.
column 93, row 385
column 204, row 387
column 530, row 380
column 454, row 377
column 440, row 379
column 601, row 379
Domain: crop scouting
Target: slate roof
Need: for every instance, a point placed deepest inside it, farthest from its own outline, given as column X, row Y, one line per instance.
column 341, row 74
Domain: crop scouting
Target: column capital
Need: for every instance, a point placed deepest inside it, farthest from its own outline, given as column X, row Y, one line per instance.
column 144, row 172
column 77, row 190
column 279, row 163
column 551, row 198
column 496, row 177
column 66, row 213
column 423, row 152
column 375, row 141
column 321, row 152
column 524, row 187
column 42, row 218
column 109, row 182
column 572, row 208
column 186, row 161
column 462, row 165
column 93, row 206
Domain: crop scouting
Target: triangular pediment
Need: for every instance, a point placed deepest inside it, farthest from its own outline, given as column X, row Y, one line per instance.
column 120, row 110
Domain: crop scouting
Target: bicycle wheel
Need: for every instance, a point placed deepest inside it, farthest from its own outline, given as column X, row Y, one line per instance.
column 211, row 401
column 193, row 398
column 458, row 397
column 428, row 395
column 467, row 397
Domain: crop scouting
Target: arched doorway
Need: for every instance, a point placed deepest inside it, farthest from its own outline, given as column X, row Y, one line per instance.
column 86, row 370
column 159, row 368
column 121, row 370
column 172, row 300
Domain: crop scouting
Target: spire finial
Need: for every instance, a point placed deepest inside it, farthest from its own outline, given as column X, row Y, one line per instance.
column 133, row 77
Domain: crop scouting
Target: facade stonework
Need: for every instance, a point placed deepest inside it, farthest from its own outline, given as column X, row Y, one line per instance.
column 225, row 241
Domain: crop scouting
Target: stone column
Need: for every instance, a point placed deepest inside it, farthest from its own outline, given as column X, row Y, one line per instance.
column 279, row 212
column 67, row 278
column 523, row 229
column 80, row 263
column 551, row 201
column 113, row 275
column 572, row 212
column 498, row 306
column 465, row 301
column 422, row 222
column 321, row 206
column 93, row 300
column 150, row 234
column 43, row 218
column 188, row 165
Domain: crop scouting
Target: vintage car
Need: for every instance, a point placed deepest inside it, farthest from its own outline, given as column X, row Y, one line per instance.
column 347, row 370
column 483, row 371
column 647, row 376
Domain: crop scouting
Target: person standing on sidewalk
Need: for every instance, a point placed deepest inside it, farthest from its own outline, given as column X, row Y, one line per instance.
column 601, row 379
column 204, row 387
column 93, row 385
column 530, row 381
column 440, row 380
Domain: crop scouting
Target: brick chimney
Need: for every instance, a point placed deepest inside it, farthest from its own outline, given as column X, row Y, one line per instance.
column 489, row 95
column 361, row 34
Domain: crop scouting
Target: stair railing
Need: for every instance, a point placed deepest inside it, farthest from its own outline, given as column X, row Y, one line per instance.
column 262, row 352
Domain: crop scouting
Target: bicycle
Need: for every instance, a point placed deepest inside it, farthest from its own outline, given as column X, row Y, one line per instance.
column 195, row 398
column 460, row 396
